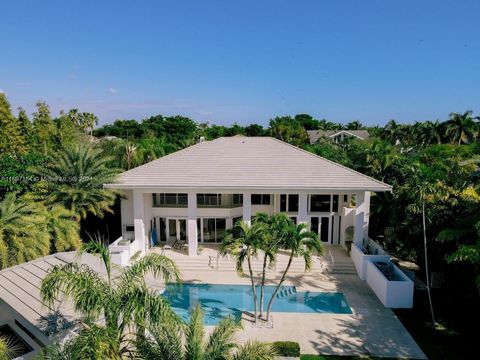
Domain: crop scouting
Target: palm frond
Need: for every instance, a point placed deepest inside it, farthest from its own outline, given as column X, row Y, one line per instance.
column 254, row 350
column 194, row 335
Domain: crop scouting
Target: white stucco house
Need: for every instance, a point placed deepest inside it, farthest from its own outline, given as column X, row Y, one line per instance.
column 194, row 195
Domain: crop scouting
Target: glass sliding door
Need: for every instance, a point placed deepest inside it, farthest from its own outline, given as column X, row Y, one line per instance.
column 213, row 229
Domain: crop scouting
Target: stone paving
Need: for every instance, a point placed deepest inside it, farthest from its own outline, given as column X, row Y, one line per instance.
column 371, row 330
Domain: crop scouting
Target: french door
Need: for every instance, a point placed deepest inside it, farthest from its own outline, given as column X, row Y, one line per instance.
column 322, row 225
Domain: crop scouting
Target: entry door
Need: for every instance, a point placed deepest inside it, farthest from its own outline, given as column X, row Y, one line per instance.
column 177, row 229
column 322, row 226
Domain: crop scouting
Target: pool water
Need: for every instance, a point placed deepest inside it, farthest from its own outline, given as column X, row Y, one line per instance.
column 220, row 301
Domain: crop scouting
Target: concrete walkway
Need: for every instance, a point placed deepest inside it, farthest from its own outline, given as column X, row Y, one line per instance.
column 371, row 330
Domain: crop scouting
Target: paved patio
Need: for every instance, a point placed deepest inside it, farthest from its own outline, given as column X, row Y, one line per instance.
column 371, row 330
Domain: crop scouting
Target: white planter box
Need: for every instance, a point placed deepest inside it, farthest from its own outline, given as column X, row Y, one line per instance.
column 121, row 254
column 392, row 293
column 361, row 260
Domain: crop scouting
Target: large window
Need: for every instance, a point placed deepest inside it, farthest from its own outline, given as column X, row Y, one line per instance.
column 289, row 203
column 206, row 200
column 170, row 200
column 320, row 203
column 214, row 229
column 260, row 199
column 237, row 199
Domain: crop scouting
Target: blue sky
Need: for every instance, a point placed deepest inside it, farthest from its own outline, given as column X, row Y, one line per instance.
column 244, row 61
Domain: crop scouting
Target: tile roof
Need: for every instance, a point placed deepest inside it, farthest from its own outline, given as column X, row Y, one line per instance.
column 250, row 163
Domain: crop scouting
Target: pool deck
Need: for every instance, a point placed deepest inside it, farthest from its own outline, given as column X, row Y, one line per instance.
column 371, row 330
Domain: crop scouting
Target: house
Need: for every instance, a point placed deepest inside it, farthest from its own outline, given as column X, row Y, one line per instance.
column 24, row 317
column 193, row 196
column 337, row 136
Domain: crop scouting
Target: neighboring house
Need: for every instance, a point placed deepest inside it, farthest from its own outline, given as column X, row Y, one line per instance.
column 193, row 196
column 23, row 315
column 337, row 136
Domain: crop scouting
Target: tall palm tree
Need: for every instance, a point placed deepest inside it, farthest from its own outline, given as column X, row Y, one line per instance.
column 74, row 177
column 274, row 226
column 122, row 298
column 244, row 243
column 171, row 342
column 300, row 242
column 462, row 127
column 426, row 188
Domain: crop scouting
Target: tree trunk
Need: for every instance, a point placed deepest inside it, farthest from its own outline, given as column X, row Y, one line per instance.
column 262, row 285
column 254, row 290
column 284, row 275
column 427, row 276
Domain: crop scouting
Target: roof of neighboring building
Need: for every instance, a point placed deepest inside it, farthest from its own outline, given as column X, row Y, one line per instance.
column 249, row 163
column 315, row 135
column 20, row 289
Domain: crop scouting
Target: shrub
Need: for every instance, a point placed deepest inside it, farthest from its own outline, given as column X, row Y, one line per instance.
column 287, row 348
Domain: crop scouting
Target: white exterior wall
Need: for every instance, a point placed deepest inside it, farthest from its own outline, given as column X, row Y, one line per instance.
column 392, row 294
column 126, row 208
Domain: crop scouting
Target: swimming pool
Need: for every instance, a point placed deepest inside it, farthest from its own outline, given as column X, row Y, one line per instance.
column 220, row 301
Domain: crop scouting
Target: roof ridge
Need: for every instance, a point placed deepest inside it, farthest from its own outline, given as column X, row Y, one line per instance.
column 331, row 162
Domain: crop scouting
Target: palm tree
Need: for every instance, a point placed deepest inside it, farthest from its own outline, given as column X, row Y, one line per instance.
column 172, row 342
column 300, row 242
column 462, row 127
column 429, row 132
column 122, row 299
column 74, row 177
column 23, row 234
column 244, row 243
column 272, row 237
column 426, row 187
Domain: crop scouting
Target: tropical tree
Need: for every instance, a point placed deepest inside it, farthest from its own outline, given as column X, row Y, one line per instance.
column 462, row 128
column 43, row 127
column 74, row 177
column 272, row 237
column 244, row 243
column 25, row 125
column 289, row 130
column 354, row 125
column 122, row 299
column 426, row 187
column 12, row 140
column 23, row 234
column 299, row 241
column 172, row 342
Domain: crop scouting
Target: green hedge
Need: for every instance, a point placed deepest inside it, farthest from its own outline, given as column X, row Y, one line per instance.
column 287, row 348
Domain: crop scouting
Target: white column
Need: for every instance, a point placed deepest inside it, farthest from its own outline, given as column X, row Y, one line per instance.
column 362, row 209
column 139, row 220
column 366, row 219
column 192, row 224
column 302, row 208
column 247, row 208
column 229, row 223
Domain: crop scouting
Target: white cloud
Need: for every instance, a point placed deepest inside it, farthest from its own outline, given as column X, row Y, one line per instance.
column 112, row 90
column 2, row 92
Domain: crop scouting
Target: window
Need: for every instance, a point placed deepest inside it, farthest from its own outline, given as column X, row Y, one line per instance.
column 289, row 202
column 237, row 199
column 320, row 203
column 260, row 199
column 206, row 200
column 170, row 200
column 214, row 229
column 283, row 203
column 335, row 203
column 292, row 203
